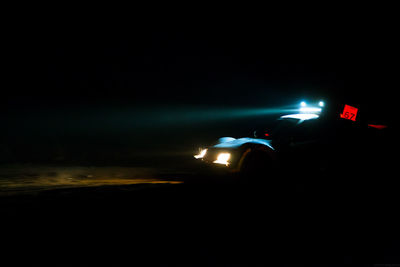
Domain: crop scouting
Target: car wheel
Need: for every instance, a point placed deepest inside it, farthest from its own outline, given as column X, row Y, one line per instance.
column 256, row 167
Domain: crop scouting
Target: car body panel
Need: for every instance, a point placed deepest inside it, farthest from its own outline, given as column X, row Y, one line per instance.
column 245, row 140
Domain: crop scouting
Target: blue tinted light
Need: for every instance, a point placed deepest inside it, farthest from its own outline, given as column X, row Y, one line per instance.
column 310, row 109
column 301, row 116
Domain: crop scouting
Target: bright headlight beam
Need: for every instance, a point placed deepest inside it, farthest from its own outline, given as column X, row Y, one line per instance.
column 303, row 104
column 201, row 155
column 223, row 158
column 321, row 103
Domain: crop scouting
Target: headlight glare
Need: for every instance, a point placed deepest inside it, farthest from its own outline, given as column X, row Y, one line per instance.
column 223, row 158
column 201, row 154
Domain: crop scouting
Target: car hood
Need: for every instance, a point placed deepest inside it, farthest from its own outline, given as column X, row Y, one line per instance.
column 229, row 142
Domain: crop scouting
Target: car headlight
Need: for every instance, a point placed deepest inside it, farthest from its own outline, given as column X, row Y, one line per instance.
column 223, row 158
column 201, row 154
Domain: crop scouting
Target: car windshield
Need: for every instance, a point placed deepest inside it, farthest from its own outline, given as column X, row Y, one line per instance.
column 283, row 127
column 286, row 127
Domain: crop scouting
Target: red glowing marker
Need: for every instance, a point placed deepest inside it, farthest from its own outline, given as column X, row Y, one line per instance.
column 377, row 126
column 349, row 113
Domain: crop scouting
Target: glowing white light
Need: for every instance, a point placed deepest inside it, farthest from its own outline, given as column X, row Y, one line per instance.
column 303, row 104
column 201, row 154
column 321, row 103
column 223, row 158
column 310, row 109
column 301, row 116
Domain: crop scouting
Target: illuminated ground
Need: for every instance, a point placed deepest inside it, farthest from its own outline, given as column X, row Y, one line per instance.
column 116, row 216
column 16, row 179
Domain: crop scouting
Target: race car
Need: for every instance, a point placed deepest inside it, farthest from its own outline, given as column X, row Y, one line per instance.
column 302, row 141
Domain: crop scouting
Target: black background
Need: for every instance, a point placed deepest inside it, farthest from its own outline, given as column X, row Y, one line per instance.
column 109, row 78
column 89, row 85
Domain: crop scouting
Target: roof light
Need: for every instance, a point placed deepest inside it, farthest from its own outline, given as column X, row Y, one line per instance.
column 301, row 116
column 310, row 109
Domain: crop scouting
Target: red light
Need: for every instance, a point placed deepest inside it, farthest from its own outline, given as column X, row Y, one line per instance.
column 266, row 134
column 349, row 113
column 377, row 126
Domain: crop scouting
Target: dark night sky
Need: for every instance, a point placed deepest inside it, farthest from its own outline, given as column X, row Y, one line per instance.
column 195, row 64
column 60, row 74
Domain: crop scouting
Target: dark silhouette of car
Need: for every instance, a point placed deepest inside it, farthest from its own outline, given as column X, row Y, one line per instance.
column 304, row 142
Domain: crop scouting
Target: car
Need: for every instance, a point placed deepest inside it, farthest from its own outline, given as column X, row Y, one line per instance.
column 303, row 142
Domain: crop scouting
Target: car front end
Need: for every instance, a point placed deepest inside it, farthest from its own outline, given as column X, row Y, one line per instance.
column 217, row 160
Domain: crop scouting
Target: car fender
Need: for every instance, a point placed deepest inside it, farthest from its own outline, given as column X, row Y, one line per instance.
column 254, row 148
